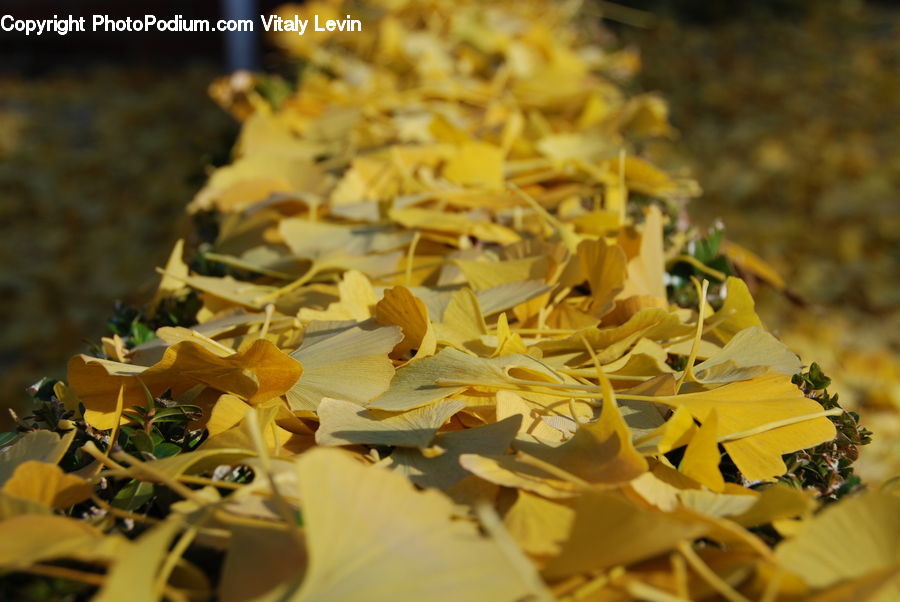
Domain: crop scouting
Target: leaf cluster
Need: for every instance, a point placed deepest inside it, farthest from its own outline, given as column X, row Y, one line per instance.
column 441, row 348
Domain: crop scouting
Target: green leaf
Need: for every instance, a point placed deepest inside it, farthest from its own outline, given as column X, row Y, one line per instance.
column 707, row 249
column 140, row 333
column 142, row 442
column 166, row 450
column 134, row 495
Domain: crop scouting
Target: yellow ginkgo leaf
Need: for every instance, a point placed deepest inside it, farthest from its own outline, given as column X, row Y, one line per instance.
column 777, row 502
column 507, row 296
column 41, row 445
column 508, row 342
column 227, row 413
column 645, row 178
column 598, row 452
column 172, row 281
column 737, row 313
column 604, row 267
column 613, row 342
column 646, row 271
column 360, row 522
column 451, row 371
column 133, row 575
column 260, row 557
column 646, row 358
column 265, row 131
column 47, row 484
column 701, row 458
column 476, row 164
column 254, row 178
column 241, row 436
column 12, row 506
column 227, row 290
column 482, row 275
column 539, row 525
column 416, row 384
column 648, row 115
column 456, row 224
column 399, row 307
column 879, row 585
column 172, row 335
column 346, row 423
column 425, row 253
column 442, row 466
column 357, row 298
column 512, row 404
column 751, row 262
column 726, row 503
column 630, row 533
column 359, row 352
column 598, row 222
column 565, row 147
column 442, row 129
column 846, row 540
column 462, row 323
column 515, row 473
column 659, row 492
column 315, row 239
column 237, row 322
column 751, row 352
column 677, row 431
column 35, row 538
column 759, row 420
column 256, row 374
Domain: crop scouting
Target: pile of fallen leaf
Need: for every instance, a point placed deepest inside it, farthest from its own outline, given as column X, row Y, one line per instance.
column 447, row 335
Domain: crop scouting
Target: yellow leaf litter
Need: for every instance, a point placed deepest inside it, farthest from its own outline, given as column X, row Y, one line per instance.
column 445, row 352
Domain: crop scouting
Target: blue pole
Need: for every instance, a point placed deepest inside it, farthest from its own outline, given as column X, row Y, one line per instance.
column 241, row 49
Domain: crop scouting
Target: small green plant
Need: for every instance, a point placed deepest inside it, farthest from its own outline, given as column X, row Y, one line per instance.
column 703, row 260
column 828, row 466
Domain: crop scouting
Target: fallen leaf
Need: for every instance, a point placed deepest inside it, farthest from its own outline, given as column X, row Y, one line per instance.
column 47, row 484
column 346, row 423
column 256, row 374
column 360, row 522
column 759, row 403
column 41, row 446
column 845, row 541
column 358, row 351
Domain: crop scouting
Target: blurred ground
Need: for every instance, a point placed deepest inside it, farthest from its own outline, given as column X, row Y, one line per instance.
column 95, row 169
column 789, row 120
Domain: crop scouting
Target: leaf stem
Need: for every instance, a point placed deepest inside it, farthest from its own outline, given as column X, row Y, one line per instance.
column 410, row 255
column 559, row 473
column 159, row 477
column 688, row 373
column 707, row 574
column 123, row 513
column 762, row 428
column 693, row 261
column 177, row 551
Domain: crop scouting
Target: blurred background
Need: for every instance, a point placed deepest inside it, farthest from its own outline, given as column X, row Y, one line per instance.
column 786, row 112
column 103, row 140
